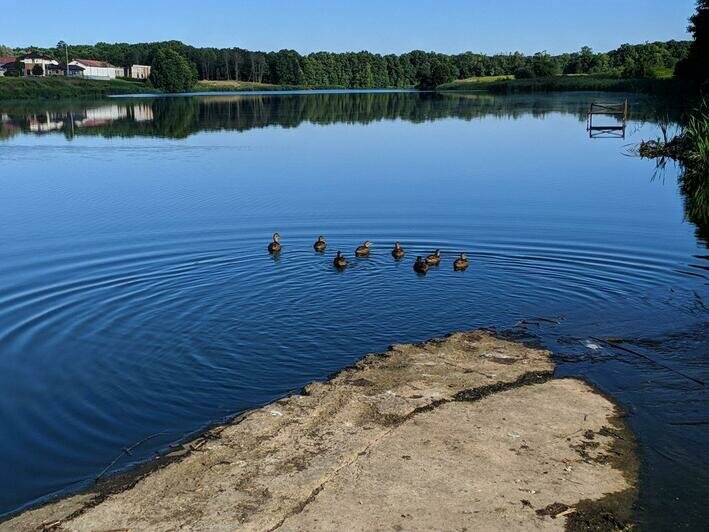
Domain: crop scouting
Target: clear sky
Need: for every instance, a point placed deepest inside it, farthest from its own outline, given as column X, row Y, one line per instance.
column 385, row 26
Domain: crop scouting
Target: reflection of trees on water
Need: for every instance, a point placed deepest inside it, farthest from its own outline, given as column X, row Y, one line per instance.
column 182, row 116
column 695, row 206
column 694, row 187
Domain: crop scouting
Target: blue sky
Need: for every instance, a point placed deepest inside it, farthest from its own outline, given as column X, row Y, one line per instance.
column 385, row 26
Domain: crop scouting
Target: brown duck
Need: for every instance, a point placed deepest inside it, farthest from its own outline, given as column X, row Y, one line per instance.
column 320, row 244
column 275, row 245
column 398, row 251
column 339, row 262
column 461, row 263
column 420, row 266
column 363, row 250
column 434, row 259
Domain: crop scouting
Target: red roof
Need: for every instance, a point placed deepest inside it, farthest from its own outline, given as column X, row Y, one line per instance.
column 6, row 60
column 94, row 63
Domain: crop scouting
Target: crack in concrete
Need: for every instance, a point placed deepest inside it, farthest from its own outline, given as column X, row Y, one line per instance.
column 469, row 395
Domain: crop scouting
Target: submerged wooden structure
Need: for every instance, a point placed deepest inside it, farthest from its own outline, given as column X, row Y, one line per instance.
column 617, row 110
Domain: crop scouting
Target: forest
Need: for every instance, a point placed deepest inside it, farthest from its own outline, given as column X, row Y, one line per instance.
column 369, row 70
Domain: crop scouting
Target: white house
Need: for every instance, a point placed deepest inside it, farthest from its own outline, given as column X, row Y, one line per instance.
column 138, row 71
column 32, row 59
column 98, row 69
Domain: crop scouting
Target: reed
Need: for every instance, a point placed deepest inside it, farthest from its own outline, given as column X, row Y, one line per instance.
column 694, row 159
column 691, row 151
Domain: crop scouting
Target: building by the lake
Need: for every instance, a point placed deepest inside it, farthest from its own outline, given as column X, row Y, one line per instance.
column 62, row 70
column 98, row 69
column 87, row 68
column 137, row 71
column 27, row 64
column 32, row 59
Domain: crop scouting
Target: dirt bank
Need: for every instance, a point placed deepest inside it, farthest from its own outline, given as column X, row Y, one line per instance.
column 469, row 432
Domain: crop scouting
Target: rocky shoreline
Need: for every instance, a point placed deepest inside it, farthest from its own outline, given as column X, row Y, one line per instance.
column 467, row 432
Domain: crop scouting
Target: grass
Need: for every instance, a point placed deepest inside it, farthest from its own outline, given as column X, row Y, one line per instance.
column 475, row 83
column 568, row 83
column 208, row 86
column 695, row 164
column 691, row 150
column 54, row 88
column 245, row 86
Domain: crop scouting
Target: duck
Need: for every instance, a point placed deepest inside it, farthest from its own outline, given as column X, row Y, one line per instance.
column 339, row 262
column 275, row 246
column 398, row 251
column 461, row 263
column 363, row 250
column 320, row 244
column 420, row 266
column 434, row 259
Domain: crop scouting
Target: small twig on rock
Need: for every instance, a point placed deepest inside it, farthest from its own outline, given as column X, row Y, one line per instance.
column 127, row 450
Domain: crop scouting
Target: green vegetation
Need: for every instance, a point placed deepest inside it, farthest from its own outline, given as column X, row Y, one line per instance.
column 691, row 147
column 435, row 73
column 507, row 85
column 695, row 160
column 246, row 86
column 691, row 150
column 171, row 72
column 473, row 84
column 15, row 88
column 368, row 70
column 695, row 66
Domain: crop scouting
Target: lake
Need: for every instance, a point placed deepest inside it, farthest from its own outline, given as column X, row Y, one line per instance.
column 138, row 301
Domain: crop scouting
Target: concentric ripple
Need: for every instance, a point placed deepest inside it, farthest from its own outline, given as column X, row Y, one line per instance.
column 137, row 298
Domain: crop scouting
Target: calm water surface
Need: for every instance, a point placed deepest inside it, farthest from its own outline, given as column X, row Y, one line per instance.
column 137, row 296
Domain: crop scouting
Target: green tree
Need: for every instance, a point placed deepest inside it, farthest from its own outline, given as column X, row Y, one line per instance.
column 543, row 65
column 435, row 73
column 172, row 72
column 696, row 65
column 37, row 70
column 524, row 73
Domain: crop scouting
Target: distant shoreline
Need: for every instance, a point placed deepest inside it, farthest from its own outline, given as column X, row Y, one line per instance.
column 57, row 88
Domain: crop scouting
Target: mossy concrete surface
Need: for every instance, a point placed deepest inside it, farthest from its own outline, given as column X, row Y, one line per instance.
column 469, row 432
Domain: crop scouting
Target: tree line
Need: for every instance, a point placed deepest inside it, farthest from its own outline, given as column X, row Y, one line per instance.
column 369, row 70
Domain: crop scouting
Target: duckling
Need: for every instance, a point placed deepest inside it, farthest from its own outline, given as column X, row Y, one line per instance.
column 398, row 251
column 461, row 263
column 275, row 246
column 363, row 250
column 320, row 244
column 340, row 262
column 420, row 266
column 434, row 259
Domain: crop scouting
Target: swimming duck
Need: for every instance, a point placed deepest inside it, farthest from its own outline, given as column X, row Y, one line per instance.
column 420, row 266
column 340, row 262
column 320, row 244
column 275, row 246
column 461, row 263
column 398, row 251
column 434, row 259
column 363, row 250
